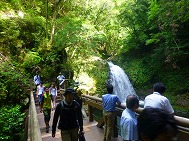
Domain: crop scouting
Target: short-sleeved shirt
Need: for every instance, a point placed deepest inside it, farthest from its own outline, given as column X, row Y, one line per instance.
column 61, row 77
column 37, row 79
column 46, row 100
column 156, row 100
column 128, row 125
column 40, row 89
column 53, row 91
column 109, row 102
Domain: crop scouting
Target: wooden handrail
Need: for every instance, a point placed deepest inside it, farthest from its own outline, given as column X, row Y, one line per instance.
column 34, row 129
column 93, row 101
column 181, row 121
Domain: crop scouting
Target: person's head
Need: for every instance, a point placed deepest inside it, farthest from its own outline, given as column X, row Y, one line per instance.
column 159, row 87
column 156, row 125
column 69, row 95
column 41, row 83
column 109, row 88
column 52, row 85
column 132, row 102
column 37, row 72
column 46, row 89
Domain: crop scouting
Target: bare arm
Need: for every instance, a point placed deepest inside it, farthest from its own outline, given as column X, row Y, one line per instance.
column 41, row 105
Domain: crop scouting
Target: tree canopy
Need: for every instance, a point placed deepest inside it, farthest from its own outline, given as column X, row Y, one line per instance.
column 147, row 38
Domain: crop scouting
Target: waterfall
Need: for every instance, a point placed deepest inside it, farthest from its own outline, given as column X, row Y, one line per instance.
column 120, row 81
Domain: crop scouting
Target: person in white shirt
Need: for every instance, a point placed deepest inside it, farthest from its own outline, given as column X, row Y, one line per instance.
column 157, row 100
column 40, row 92
column 37, row 79
column 61, row 78
column 128, row 122
column 53, row 92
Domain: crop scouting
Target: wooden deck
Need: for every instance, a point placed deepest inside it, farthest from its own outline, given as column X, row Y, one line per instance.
column 92, row 132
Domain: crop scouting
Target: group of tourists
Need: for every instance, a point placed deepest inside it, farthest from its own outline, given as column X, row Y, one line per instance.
column 155, row 123
column 67, row 113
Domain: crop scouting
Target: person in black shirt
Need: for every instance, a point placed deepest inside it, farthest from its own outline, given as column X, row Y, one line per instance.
column 77, row 97
column 155, row 124
column 69, row 114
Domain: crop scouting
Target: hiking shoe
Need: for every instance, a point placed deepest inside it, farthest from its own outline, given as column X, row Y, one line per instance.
column 47, row 129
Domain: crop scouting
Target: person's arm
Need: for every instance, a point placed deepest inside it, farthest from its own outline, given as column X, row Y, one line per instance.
column 50, row 90
column 168, row 107
column 43, row 90
column 37, row 91
column 34, row 79
column 118, row 101
column 127, row 129
column 55, row 98
column 56, row 92
column 41, row 104
column 55, row 119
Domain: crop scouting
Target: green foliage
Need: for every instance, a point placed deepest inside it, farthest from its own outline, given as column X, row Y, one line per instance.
column 155, row 48
column 14, row 84
column 12, row 123
column 31, row 59
column 19, row 34
column 170, row 20
column 138, row 73
column 149, row 39
column 100, row 77
column 70, row 34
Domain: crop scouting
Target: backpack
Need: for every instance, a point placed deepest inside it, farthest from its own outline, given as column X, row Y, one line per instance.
column 62, row 105
column 81, row 136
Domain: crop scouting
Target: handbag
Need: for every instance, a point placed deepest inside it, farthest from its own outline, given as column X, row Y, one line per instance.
column 81, row 137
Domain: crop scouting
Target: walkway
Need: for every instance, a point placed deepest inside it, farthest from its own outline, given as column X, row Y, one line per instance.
column 92, row 132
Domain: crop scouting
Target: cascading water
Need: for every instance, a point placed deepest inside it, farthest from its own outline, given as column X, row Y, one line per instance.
column 120, row 81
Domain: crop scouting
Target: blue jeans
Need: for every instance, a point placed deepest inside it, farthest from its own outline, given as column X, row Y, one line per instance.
column 39, row 98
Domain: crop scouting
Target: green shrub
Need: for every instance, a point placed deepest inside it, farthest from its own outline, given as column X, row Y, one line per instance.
column 12, row 123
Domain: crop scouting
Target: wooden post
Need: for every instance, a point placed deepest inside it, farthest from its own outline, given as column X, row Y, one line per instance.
column 90, row 113
column 64, row 85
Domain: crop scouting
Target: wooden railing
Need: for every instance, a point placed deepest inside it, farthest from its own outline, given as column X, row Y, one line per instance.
column 96, row 102
column 34, row 133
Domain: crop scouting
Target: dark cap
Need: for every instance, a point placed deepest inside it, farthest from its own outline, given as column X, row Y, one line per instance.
column 69, row 91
